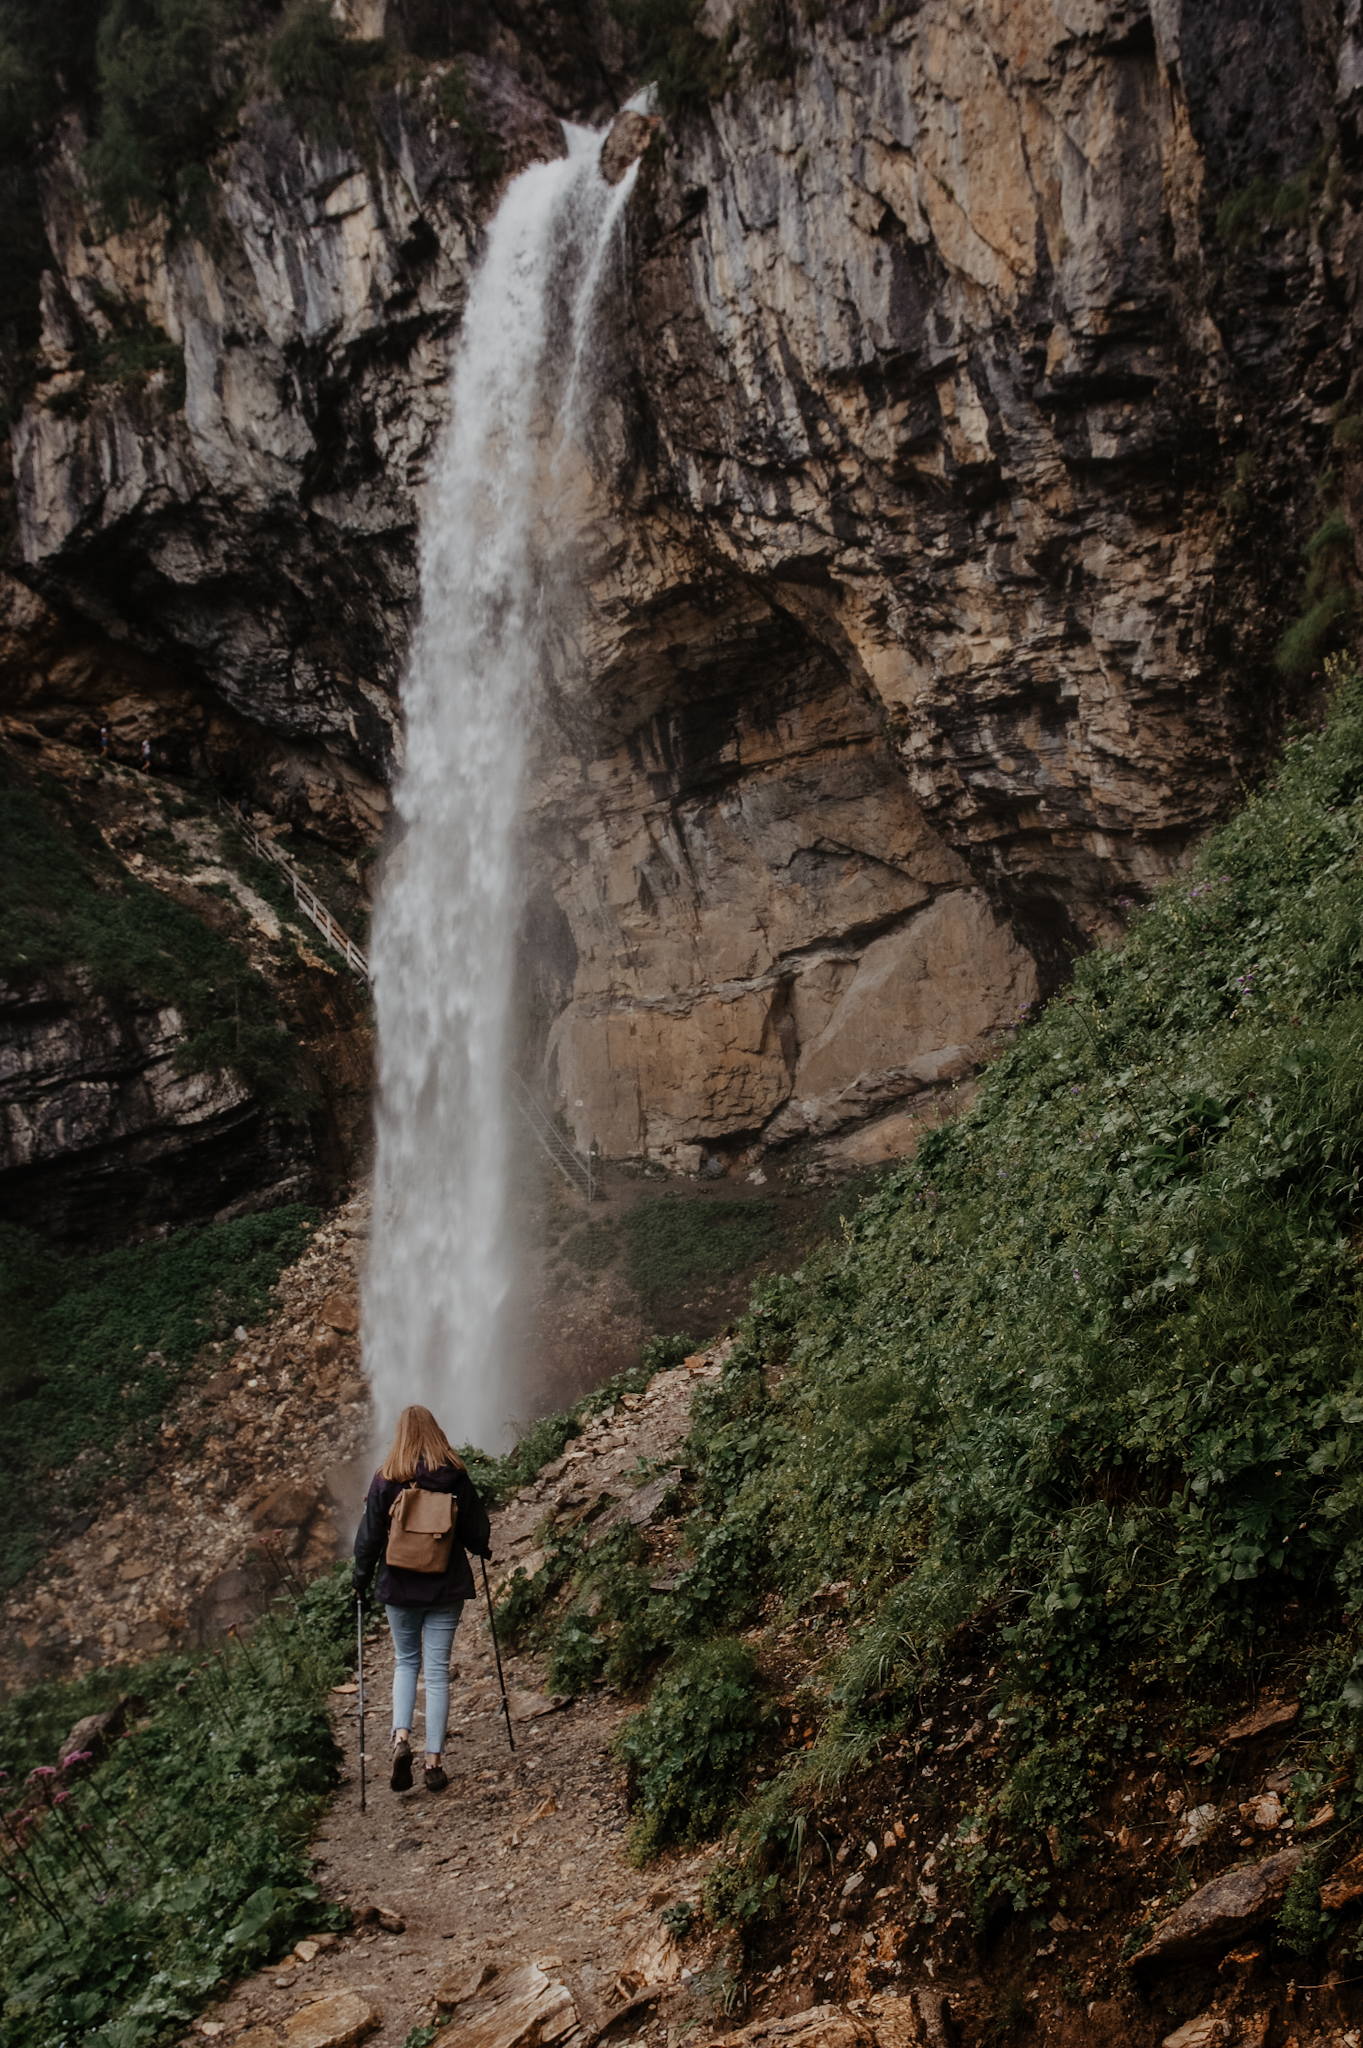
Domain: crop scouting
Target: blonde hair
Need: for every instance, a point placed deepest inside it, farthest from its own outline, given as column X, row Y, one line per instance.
column 417, row 1440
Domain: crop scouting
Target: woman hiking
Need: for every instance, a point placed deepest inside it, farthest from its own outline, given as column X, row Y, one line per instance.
column 423, row 1606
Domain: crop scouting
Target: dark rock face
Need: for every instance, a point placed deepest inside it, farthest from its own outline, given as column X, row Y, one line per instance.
column 919, row 626
column 102, row 1138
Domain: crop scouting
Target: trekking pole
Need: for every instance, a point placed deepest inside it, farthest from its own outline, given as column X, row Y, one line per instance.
column 506, row 1704
column 359, row 1674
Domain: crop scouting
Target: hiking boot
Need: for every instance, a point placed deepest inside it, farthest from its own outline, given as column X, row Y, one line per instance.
column 436, row 1781
column 401, row 1780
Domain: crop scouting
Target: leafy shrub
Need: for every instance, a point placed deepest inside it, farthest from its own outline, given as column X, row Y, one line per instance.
column 1320, row 631
column 577, row 1653
column 661, row 1354
column 688, row 1750
column 94, row 1347
column 182, row 1858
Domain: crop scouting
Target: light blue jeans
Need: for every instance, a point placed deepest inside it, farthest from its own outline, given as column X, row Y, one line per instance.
column 423, row 1635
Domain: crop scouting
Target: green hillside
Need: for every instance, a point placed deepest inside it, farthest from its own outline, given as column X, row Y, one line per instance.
column 1083, row 1384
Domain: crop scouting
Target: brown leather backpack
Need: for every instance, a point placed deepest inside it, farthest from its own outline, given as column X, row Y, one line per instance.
column 421, row 1530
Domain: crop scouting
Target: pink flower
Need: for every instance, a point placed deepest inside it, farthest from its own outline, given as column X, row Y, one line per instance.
column 43, row 1771
column 77, row 1756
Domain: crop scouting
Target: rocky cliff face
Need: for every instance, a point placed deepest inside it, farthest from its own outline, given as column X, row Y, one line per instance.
column 920, row 626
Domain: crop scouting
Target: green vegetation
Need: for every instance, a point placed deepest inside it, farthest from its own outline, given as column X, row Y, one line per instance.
column 687, row 66
column 1329, row 597
column 131, row 355
column 94, row 1347
column 322, row 74
column 689, row 1744
column 453, row 101
column 676, row 1240
column 66, row 905
column 1083, row 1385
column 1236, row 500
column 1261, row 205
column 142, row 1880
column 170, row 73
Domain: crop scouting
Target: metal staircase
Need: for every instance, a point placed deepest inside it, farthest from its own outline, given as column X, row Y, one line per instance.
column 308, row 901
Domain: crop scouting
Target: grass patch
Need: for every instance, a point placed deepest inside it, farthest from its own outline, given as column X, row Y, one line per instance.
column 1085, row 1378
column 182, row 1858
column 93, row 1348
column 672, row 1242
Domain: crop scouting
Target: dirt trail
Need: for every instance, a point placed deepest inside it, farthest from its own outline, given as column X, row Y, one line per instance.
column 522, row 1860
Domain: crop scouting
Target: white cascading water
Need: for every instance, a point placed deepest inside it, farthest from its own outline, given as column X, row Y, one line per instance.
column 441, row 1262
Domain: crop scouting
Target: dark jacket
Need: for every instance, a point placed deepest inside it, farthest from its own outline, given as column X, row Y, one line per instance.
column 400, row 1588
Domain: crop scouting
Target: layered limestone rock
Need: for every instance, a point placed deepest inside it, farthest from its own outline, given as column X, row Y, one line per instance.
column 918, row 627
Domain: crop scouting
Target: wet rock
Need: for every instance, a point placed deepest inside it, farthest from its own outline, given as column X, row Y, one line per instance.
column 629, row 137
column 1220, row 1911
column 336, row 2021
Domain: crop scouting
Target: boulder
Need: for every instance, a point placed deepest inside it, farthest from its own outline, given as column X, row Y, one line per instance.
column 1344, row 1887
column 1203, row 2032
column 341, row 1311
column 629, row 137
column 290, row 1506
column 641, row 1507
column 1274, row 1714
column 522, row 2009
column 1221, row 1911
column 93, row 1735
column 338, row 2020
column 917, row 2019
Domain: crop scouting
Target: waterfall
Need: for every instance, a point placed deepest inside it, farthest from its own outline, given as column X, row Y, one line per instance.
column 441, row 1263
